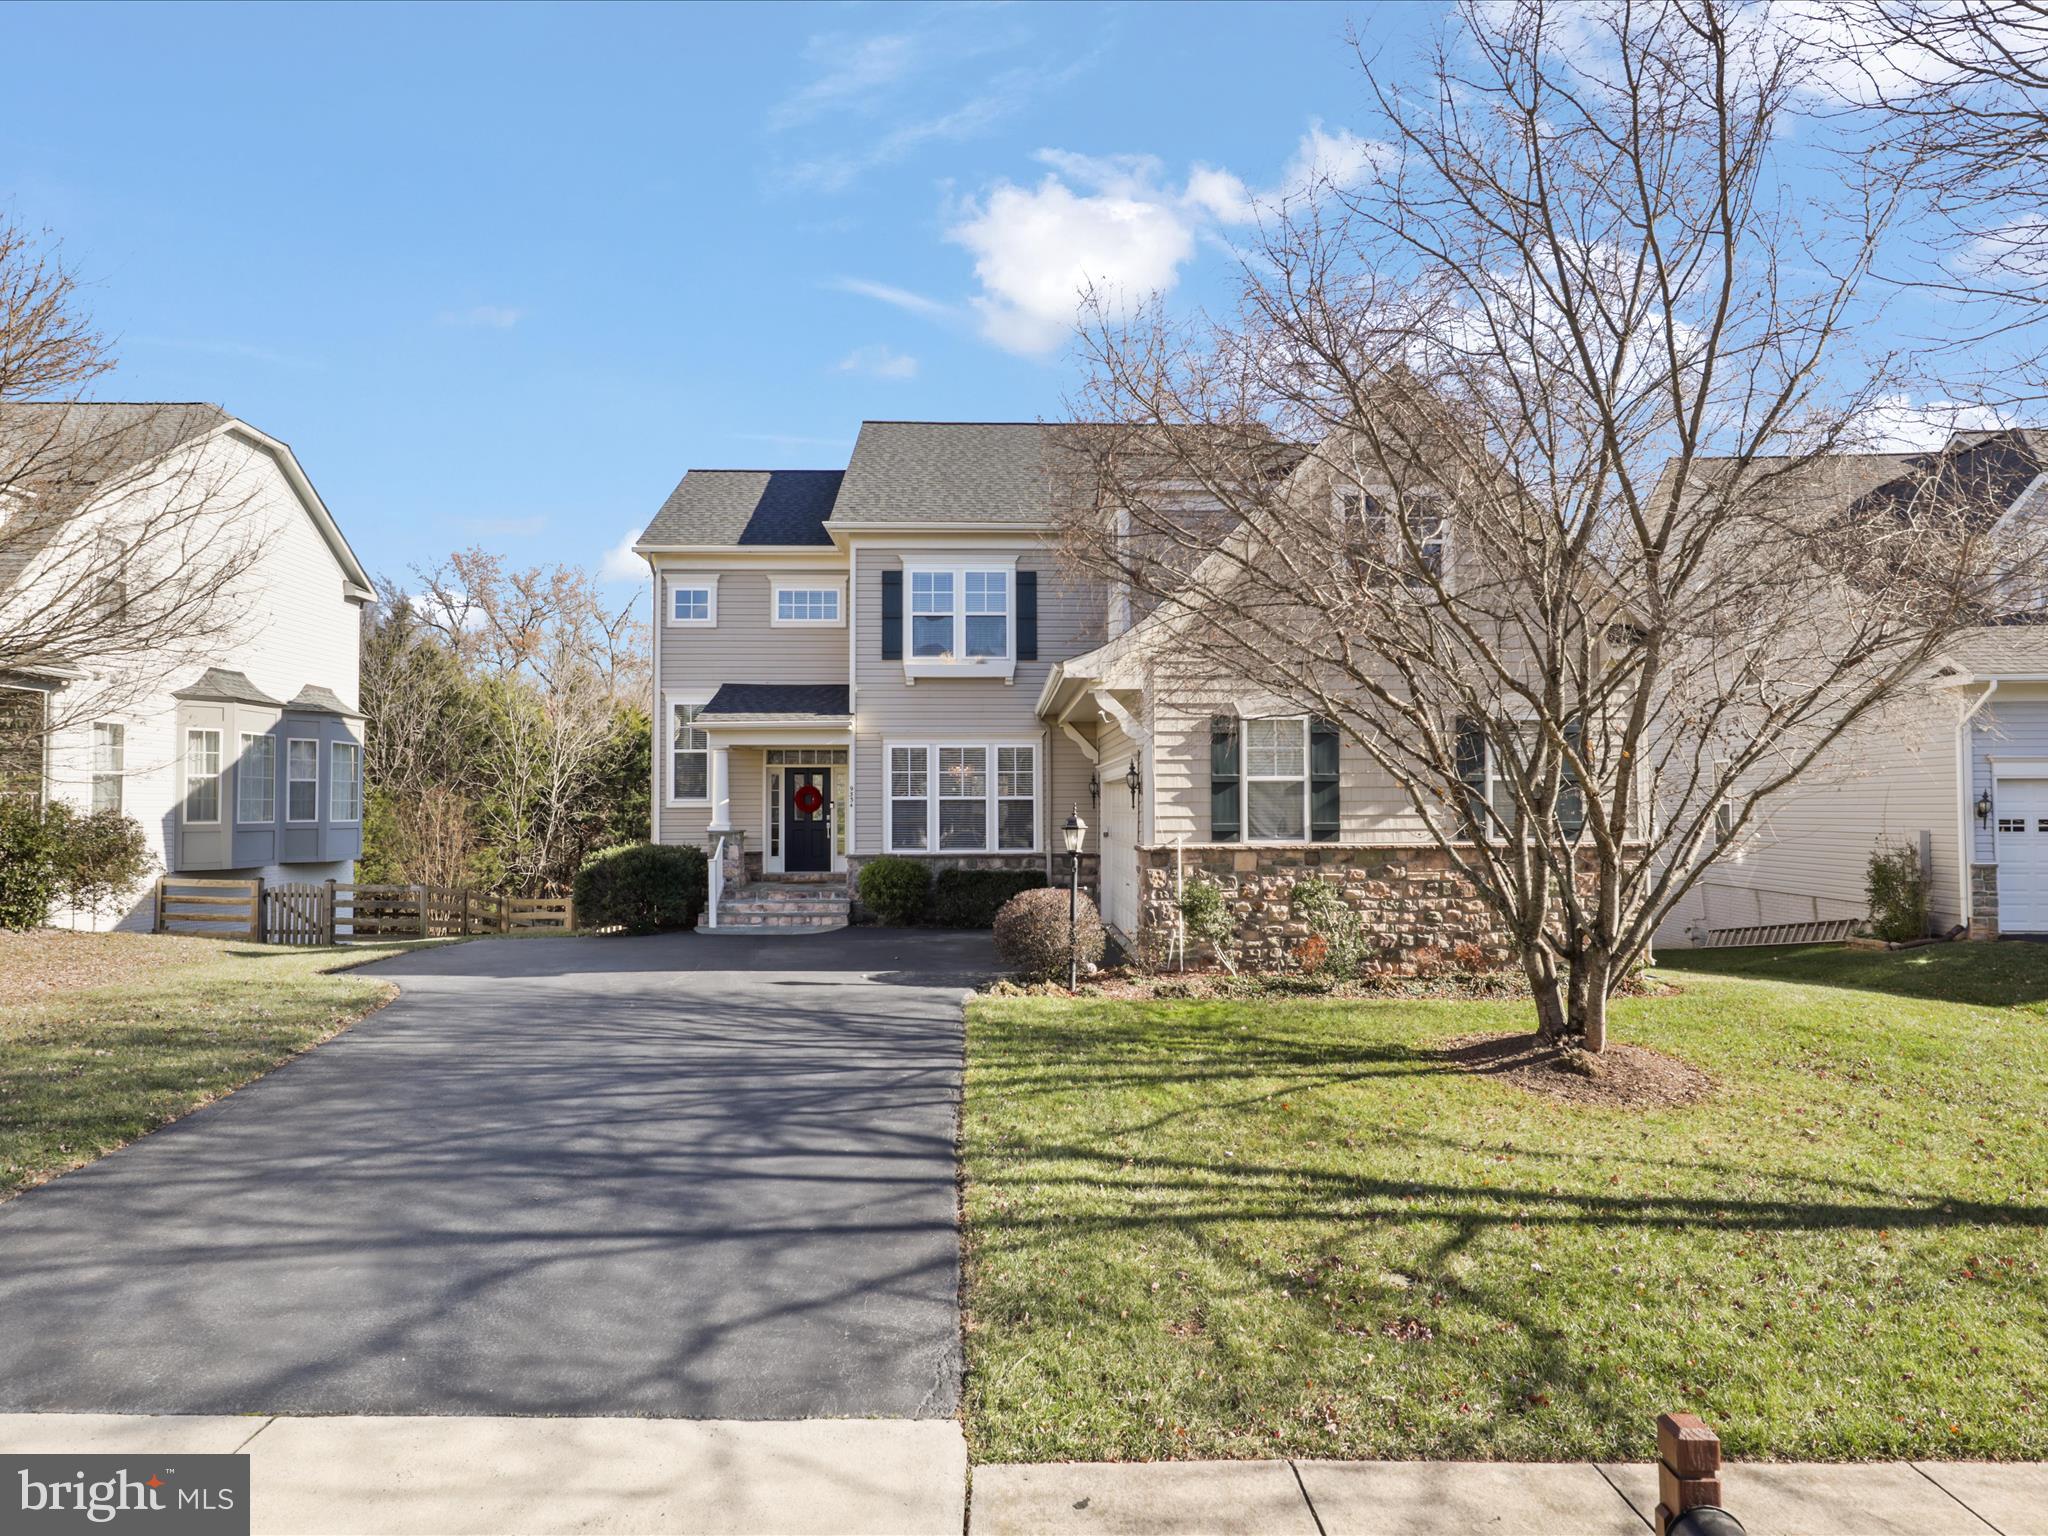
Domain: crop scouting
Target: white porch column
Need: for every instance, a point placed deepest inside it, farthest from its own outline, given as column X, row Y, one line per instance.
column 721, row 792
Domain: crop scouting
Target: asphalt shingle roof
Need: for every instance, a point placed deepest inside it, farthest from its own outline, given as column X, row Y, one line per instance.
column 225, row 686
column 747, row 506
column 947, row 472
column 315, row 700
column 779, row 701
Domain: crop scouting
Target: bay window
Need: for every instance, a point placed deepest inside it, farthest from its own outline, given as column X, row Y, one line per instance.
column 302, row 780
column 964, row 798
column 202, row 777
column 256, row 781
column 344, row 782
column 965, row 619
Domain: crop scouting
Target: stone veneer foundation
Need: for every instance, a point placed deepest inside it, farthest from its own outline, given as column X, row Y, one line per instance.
column 1983, row 901
column 1415, row 905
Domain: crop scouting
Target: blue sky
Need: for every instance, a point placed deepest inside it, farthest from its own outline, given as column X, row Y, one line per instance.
column 499, row 275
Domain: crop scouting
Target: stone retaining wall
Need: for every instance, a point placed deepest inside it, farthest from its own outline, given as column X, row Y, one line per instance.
column 1417, row 908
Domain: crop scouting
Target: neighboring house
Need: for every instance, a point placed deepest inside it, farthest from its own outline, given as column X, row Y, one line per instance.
column 1956, row 767
column 247, row 761
column 885, row 659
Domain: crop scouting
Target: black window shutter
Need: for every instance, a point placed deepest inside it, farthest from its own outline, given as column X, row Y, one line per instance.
column 1571, row 800
column 1325, row 770
column 1027, row 615
column 1224, row 821
column 892, row 615
column 1471, row 755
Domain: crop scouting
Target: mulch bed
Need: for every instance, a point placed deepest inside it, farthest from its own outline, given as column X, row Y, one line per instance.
column 48, row 960
column 1620, row 1077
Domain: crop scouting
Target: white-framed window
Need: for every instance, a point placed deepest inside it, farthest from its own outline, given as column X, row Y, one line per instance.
column 689, row 754
column 256, row 780
column 1377, row 545
column 344, row 782
column 961, row 617
column 109, row 762
column 302, row 779
column 797, row 602
column 909, row 799
column 202, row 777
column 963, row 798
column 1016, row 798
column 693, row 601
column 969, row 797
column 1276, row 780
column 931, row 615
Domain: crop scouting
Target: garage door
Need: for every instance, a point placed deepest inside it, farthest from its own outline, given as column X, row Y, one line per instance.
column 2023, row 855
column 1119, row 851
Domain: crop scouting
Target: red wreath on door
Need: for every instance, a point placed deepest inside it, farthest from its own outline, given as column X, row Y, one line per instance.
column 809, row 799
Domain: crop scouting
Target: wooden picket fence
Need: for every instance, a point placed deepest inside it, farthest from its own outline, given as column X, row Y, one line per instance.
column 332, row 911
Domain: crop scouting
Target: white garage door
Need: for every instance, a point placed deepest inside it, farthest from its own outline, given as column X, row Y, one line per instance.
column 2022, row 817
column 1119, row 851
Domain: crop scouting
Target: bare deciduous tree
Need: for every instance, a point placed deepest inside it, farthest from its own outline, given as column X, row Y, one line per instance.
column 120, row 555
column 1524, row 449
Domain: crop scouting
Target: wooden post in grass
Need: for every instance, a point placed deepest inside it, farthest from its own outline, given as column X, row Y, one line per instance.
column 256, row 910
column 327, row 914
column 1688, row 1467
column 158, row 926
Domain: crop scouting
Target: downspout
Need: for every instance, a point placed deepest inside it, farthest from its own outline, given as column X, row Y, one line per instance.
column 656, row 714
column 853, row 704
column 1966, row 840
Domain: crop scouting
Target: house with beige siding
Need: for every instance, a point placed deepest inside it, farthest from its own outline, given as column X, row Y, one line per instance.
column 888, row 659
column 1956, row 767
column 241, row 754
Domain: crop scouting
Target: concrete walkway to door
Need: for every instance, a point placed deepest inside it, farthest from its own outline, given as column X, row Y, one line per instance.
column 676, row 1176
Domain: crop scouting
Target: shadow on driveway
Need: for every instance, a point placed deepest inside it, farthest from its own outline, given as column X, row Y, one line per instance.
column 682, row 1175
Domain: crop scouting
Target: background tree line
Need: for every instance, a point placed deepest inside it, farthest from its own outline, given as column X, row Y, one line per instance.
column 507, row 733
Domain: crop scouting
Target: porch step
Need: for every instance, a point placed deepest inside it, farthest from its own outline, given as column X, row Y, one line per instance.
column 809, row 905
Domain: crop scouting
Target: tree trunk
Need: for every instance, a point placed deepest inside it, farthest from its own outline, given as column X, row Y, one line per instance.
column 1544, row 986
column 1589, row 1001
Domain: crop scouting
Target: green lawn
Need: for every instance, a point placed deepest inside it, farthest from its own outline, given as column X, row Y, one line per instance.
column 1201, row 1229
column 85, row 1068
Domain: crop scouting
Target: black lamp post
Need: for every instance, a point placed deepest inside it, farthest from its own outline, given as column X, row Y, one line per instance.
column 1073, row 832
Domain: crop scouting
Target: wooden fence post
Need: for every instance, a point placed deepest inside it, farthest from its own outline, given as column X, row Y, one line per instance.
column 464, row 930
column 158, row 925
column 256, row 914
column 1688, row 1467
column 327, row 914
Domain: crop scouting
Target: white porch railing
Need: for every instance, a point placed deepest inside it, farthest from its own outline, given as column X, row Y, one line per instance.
column 715, row 885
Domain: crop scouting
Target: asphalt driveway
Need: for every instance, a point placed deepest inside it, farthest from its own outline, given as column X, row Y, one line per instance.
column 692, row 1176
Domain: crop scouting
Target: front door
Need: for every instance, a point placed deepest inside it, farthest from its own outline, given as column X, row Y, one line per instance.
column 806, row 820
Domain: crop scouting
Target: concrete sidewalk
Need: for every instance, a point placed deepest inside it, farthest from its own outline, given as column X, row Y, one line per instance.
column 471, row 1476
column 465, row 1476
column 1442, row 1498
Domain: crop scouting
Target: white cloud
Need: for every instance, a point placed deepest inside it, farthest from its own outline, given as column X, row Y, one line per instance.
column 856, row 73
column 1115, row 225
column 879, row 362
column 496, row 317
column 620, row 563
column 1037, row 250
column 1896, row 425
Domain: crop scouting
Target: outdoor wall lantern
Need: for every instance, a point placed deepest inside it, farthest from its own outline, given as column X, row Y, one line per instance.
column 1094, row 789
column 1984, row 807
column 1134, row 782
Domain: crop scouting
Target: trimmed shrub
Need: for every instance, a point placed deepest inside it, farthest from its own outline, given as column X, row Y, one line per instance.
column 1207, row 919
column 101, row 857
column 971, row 898
column 642, row 887
column 897, row 891
column 28, row 865
column 1897, row 895
column 1031, row 934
